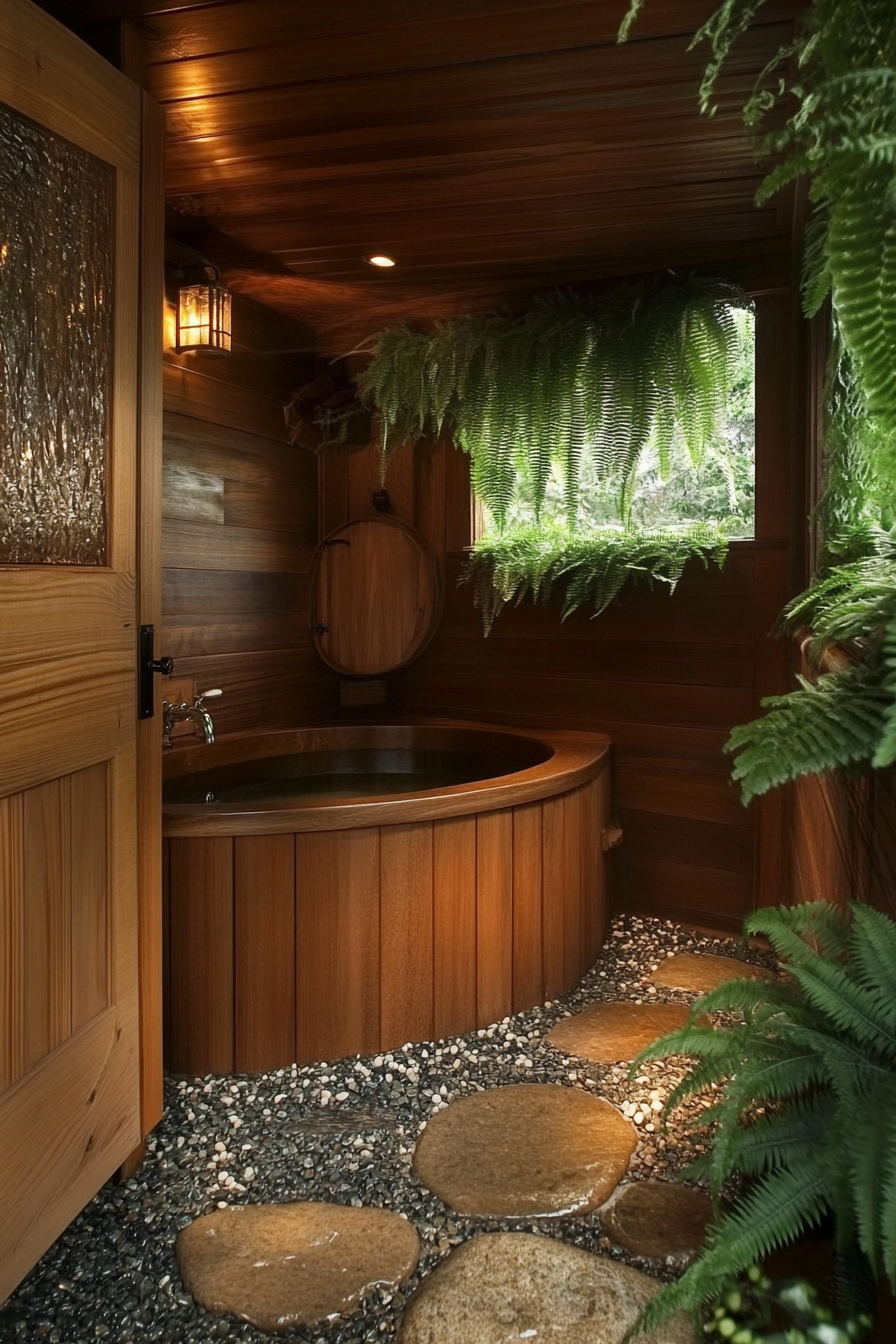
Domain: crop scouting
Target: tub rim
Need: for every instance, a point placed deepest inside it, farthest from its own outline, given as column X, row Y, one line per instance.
column 575, row 759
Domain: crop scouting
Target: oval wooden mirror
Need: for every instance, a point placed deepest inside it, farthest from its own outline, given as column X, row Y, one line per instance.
column 375, row 596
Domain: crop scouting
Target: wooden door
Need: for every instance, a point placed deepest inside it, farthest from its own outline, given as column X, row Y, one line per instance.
column 69, row 1013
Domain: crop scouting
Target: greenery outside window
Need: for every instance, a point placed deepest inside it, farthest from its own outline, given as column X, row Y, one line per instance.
column 668, row 492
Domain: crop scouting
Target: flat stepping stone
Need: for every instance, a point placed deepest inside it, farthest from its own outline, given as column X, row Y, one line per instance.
column 282, row 1265
column 612, row 1031
column 658, row 1219
column 510, row 1286
column 531, row 1150
column 701, row 972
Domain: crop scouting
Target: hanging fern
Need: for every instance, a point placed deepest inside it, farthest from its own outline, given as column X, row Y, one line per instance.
column 532, row 561
column 835, row 85
column 807, row 1103
column 577, row 377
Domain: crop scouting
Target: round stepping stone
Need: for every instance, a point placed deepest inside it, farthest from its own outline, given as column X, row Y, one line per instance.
column 510, row 1286
column 613, row 1031
column 658, row 1219
column 282, row 1265
column 701, row 972
column 529, row 1150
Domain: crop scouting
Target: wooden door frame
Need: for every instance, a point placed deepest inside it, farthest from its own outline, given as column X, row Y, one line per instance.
column 149, row 608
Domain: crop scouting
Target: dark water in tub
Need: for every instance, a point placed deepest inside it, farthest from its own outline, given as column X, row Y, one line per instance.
column 316, row 776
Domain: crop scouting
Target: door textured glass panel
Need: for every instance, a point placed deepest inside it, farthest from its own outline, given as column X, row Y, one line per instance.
column 56, row 213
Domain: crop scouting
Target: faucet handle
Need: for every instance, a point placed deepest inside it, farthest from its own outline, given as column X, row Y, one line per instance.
column 208, row 695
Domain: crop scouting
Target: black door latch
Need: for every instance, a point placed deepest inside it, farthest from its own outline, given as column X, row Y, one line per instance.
column 147, row 665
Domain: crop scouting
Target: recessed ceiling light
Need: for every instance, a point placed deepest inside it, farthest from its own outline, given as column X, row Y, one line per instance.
column 380, row 261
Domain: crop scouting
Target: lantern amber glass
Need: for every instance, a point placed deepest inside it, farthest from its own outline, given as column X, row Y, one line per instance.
column 203, row 318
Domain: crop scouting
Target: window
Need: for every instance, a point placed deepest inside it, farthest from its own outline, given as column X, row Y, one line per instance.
column 716, row 488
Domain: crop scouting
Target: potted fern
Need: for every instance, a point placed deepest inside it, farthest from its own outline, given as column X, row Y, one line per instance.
column 807, row 1108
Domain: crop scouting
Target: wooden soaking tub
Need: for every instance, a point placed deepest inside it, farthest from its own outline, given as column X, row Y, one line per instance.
column 347, row 889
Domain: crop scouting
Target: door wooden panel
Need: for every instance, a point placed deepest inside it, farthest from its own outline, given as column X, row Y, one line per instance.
column 54, row 894
column 69, row 1039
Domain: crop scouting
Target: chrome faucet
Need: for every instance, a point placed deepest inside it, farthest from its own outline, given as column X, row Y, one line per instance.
column 196, row 714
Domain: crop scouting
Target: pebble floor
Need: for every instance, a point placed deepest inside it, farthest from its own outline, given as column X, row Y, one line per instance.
column 343, row 1132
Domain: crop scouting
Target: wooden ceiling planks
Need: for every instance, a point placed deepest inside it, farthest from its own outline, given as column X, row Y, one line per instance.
column 492, row 146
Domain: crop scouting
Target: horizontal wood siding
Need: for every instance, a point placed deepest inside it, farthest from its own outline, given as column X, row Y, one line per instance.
column 240, row 522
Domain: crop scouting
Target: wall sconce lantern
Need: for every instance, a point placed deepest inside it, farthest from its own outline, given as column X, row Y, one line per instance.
column 203, row 311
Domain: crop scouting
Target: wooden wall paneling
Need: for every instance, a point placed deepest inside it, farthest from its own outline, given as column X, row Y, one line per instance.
column 240, row 526
column 264, row 878
column 666, row 792
column 263, row 690
column 47, row 918
column 333, row 482
column 774, row 586
column 196, row 392
column 202, row 956
column 710, row 896
column 458, row 504
column 406, row 948
column 198, row 545
column 12, row 939
column 494, row 916
column 682, row 841
column 339, row 964
column 528, row 961
column 454, row 925
column 430, row 467
column 90, row 916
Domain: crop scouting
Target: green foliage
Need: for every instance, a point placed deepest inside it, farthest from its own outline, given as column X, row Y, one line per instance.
column 846, row 717
column 672, row 493
column 807, row 1099
column 530, row 560
column 834, row 87
column 578, row 378
column 743, row 1313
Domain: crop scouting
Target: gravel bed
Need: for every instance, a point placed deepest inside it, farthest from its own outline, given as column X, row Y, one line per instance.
column 343, row 1132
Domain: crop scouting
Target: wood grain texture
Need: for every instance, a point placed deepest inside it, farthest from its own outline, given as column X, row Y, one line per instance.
column 264, row 959
column 528, row 919
column 90, row 906
column 337, row 944
column 666, row 677
column 12, row 939
column 400, row 931
column 149, row 603
column 67, row 708
column 406, row 947
column 494, row 916
column 375, row 596
column 454, row 925
column 201, row 923
column 240, row 526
